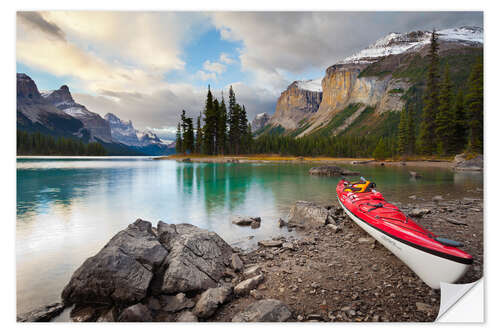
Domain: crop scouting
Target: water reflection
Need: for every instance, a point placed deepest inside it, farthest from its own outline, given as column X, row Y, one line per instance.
column 67, row 209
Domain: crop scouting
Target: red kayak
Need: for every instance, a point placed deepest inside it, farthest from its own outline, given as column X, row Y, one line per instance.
column 434, row 259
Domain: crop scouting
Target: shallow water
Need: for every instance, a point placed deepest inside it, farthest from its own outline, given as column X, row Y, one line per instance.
column 67, row 209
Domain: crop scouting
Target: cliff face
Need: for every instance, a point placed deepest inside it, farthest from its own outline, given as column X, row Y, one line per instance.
column 298, row 111
column 260, row 121
column 295, row 104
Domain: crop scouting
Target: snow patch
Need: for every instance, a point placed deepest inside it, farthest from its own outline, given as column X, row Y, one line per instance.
column 310, row 85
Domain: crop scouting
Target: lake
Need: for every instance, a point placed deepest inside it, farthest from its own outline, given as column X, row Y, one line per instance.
column 68, row 208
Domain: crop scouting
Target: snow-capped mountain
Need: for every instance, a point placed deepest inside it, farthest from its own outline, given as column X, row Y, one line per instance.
column 122, row 131
column 311, row 85
column 260, row 121
column 396, row 43
column 62, row 99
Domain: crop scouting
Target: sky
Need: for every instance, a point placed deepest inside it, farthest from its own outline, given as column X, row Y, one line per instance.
column 148, row 66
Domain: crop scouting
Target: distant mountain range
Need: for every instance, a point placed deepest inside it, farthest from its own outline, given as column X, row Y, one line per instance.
column 364, row 93
column 56, row 113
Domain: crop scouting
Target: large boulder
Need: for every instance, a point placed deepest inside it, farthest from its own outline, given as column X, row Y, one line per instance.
column 121, row 272
column 461, row 163
column 197, row 260
column 136, row 313
column 307, row 214
column 267, row 310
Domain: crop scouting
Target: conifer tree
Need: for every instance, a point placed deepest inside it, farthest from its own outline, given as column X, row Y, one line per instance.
column 188, row 141
column 411, row 131
column 199, row 136
column 403, row 133
column 178, row 140
column 243, row 130
column 474, row 105
column 234, row 122
column 222, row 127
column 210, row 127
column 380, row 151
column 431, row 100
column 445, row 120
column 460, row 134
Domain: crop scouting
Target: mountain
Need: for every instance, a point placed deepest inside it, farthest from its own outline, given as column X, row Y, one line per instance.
column 299, row 101
column 34, row 113
column 364, row 93
column 259, row 122
column 146, row 142
column 61, row 98
column 55, row 113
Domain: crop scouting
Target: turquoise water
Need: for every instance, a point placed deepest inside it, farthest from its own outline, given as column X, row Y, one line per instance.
column 67, row 209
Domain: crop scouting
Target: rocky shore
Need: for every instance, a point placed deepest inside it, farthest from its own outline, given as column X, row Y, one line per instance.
column 332, row 271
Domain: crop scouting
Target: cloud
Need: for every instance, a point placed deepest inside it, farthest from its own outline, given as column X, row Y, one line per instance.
column 37, row 21
column 206, row 76
column 226, row 59
column 275, row 43
column 214, row 67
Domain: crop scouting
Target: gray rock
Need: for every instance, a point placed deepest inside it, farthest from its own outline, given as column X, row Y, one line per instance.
column 255, row 224
column 281, row 223
column 473, row 164
column 197, row 259
column 82, row 314
column 366, row 240
column 210, row 300
column 270, row 243
column 288, row 245
column 331, row 170
column 307, row 214
column 121, row 272
column 236, row 262
column 334, row 228
column 176, row 303
column 251, row 271
column 422, row 307
column 136, row 313
column 437, row 198
column 413, row 197
column 153, row 304
column 187, row 317
column 245, row 220
column 42, row 314
column 414, row 174
column 268, row 310
column 245, row 286
column 107, row 316
column 419, row 212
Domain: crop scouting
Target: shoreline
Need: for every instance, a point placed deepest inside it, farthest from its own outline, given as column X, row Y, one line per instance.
column 356, row 279
column 305, row 160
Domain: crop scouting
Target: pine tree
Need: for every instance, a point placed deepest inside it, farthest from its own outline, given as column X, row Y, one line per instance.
column 243, row 130
column 188, row 141
column 460, row 130
column 403, row 133
column 199, row 136
column 431, row 100
column 210, row 128
column 445, row 120
column 411, row 131
column 474, row 106
column 221, row 127
column 380, row 151
column 234, row 122
column 178, row 140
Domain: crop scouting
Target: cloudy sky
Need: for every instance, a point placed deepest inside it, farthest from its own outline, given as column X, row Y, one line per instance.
column 148, row 66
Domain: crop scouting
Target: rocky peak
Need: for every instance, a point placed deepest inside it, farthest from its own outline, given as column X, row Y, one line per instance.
column 122, row 131
column 297, row 102
column 260, row 121
column 59, row 96
column 27, row 89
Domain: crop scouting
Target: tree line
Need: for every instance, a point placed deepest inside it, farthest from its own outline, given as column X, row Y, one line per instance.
column 40, row 144
column 452, row 119
column 225, row 130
